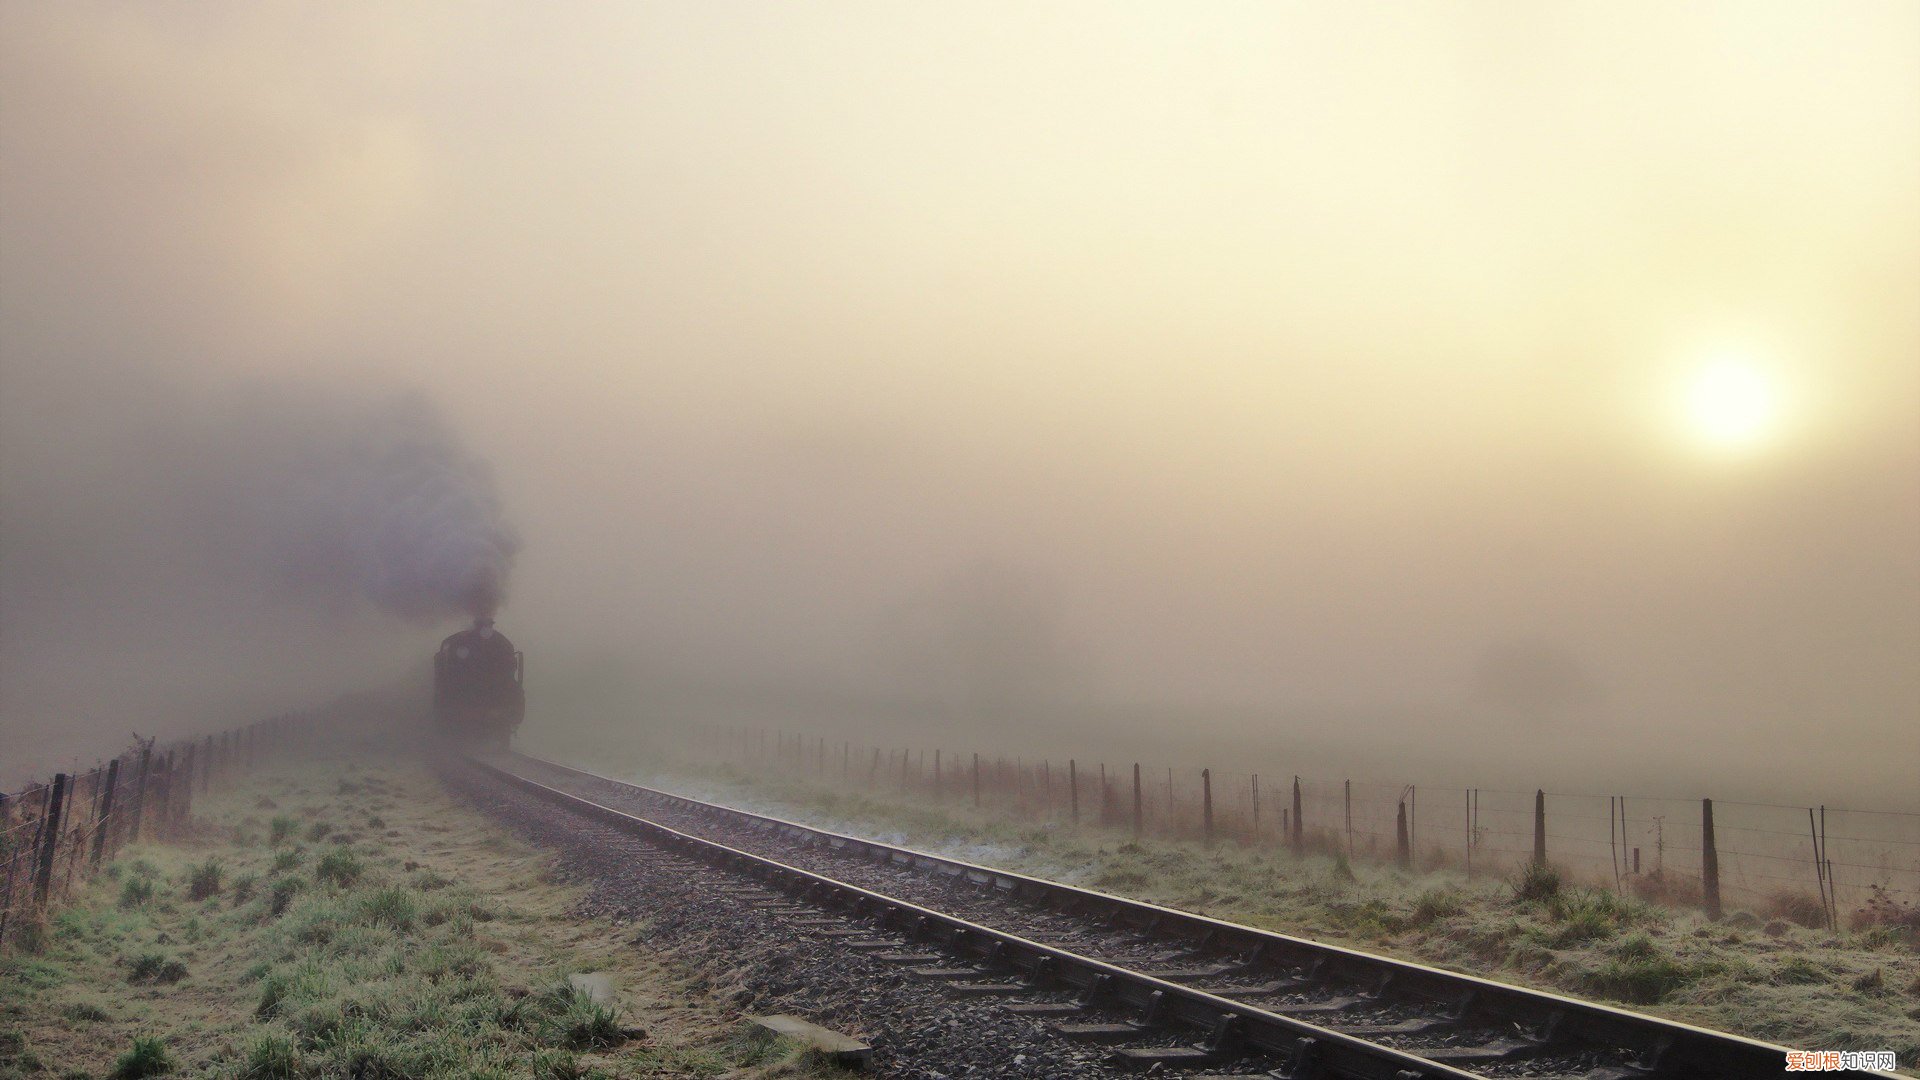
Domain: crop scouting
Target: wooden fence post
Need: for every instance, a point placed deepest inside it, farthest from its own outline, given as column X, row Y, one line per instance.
column 1256, row 806
column 1539, row 827
column 50, row 838
column 1206, row 805
column 1137, row 817
column 140, row 793
column 1349, row 802
column 104, row 819
column 1709, row 862
column 1073, row 789
column 1299, row 827
column 1403, row 847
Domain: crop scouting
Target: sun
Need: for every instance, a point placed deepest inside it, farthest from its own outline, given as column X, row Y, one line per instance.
column 1731, row 405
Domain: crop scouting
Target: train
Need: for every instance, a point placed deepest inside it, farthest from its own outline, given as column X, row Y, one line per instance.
column 479, row 687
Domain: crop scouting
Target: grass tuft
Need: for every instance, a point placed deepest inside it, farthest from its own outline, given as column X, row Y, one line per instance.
column 156, row 968
column 339, row 866
column 148, row 1057
column 272, row 1056
column 204, row 881
column 135, row 892
column 1535, row 883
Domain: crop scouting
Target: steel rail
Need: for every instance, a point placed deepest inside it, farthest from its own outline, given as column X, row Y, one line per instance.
column 1670, row 1048
column 1230, row 1026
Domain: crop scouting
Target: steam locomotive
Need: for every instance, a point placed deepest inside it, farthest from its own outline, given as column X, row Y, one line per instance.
column 478, row 694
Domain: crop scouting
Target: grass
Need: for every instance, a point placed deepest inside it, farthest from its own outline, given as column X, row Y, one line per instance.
column 1791, row 983
column 438, row 952
column 148, row 1057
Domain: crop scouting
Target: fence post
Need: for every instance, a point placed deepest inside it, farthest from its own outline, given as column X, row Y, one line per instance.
column 1206, row 805
column 1073, row 789
column 1403, row 847
column 1349, row 803
column 1709, row 862
column 1299, row 828
column 1137, row 818
column 1539, row 827
column 139, row 793
column 104, row 820
column 50, row 838
column 1256, row 806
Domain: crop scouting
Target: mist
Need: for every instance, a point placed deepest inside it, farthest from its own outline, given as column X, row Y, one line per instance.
column 1306, row 385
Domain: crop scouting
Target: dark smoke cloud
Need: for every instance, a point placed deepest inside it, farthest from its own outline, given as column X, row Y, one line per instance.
column 398, row 511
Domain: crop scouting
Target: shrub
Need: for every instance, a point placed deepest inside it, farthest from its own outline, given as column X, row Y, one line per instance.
column 243, row 888
column 1535, row 882
column 147, row 1058
column 155, row 967
column 1883, row 912
column 318, row 831
column 205, row 880
column 1797, row 908
column 135, row 892
column 1673, row 890
column 283, row 893
column 288, row 859
column 340, row 866
column 281, row 829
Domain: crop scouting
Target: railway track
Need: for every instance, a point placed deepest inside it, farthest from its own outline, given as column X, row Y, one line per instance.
column 1172, row 991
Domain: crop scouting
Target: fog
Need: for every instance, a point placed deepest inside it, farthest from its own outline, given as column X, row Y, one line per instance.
column 1317, row 382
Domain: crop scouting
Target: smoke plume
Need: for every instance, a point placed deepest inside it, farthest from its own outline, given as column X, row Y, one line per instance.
column 397, row 511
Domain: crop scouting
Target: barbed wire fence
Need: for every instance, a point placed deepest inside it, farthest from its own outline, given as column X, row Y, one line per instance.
column 56, row 835
column 1817, row 866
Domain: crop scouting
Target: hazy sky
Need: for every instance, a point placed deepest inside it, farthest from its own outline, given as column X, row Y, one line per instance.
column 1507, row 366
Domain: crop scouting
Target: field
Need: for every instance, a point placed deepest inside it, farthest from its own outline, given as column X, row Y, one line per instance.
column 348, row 921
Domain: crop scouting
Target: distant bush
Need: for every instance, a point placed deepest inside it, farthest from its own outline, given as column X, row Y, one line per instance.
column 283, row 893
column 1796, row 907
column 135, row 892
column 288, row 858
column 243, row 887
column 318, row 831
column 155, row 967
column 281, row 829
column 205, row 880
column 1669, row 889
